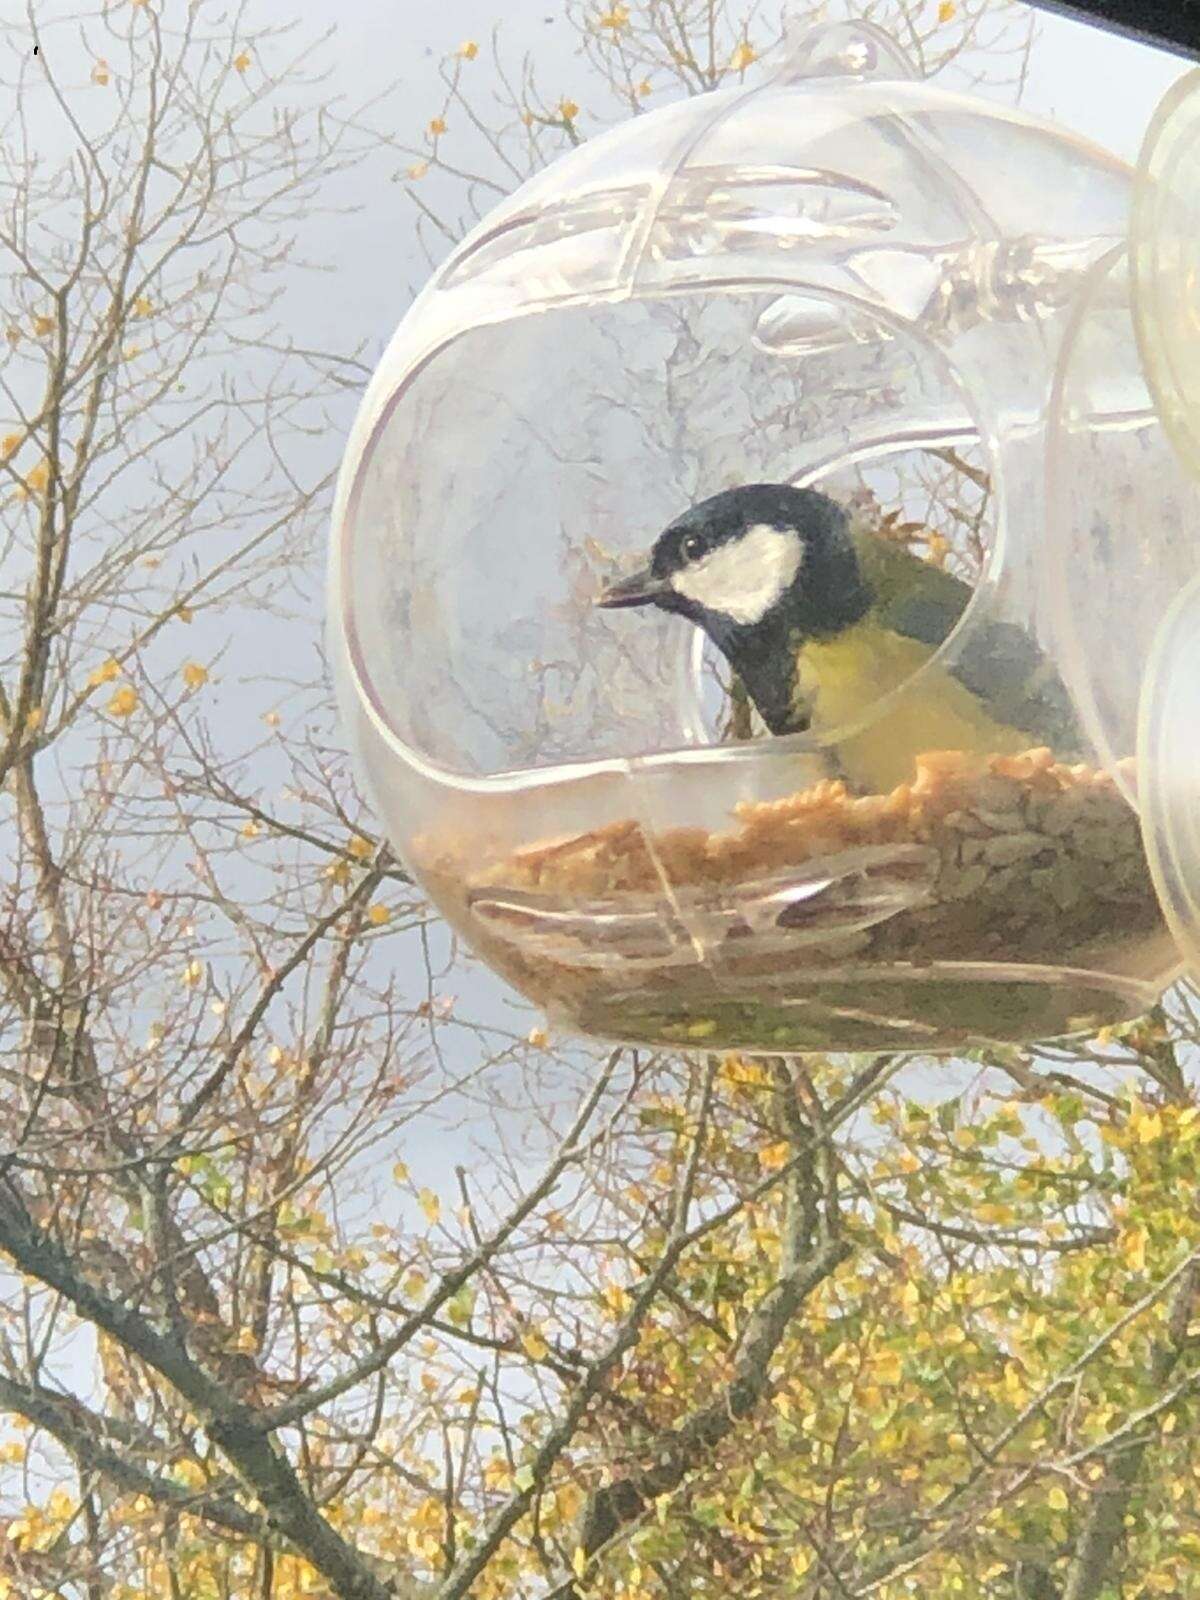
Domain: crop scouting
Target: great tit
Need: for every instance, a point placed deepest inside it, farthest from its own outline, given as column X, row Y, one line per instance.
column 821, row 618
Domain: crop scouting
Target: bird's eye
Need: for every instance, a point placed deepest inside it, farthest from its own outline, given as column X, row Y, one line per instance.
column 692, row 546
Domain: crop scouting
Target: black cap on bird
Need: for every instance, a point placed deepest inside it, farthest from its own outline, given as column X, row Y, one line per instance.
column 821, row 619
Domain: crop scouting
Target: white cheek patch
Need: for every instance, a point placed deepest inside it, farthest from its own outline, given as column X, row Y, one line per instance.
column 745, row 578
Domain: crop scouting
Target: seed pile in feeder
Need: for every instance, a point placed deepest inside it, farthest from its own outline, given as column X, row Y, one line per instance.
column 1019, row 860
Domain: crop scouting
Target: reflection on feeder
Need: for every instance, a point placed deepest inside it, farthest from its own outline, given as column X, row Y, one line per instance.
column 804, row 904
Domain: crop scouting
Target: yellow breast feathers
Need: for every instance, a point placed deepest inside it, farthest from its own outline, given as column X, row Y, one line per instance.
column 842, row 681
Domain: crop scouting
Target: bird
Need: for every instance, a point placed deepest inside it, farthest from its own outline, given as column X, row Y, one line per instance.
column 820, row 618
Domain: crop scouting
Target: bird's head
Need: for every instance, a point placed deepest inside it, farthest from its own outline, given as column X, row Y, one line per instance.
column 750, row 559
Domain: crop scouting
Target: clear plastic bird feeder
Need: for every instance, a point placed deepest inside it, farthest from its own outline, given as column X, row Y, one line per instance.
column 847, row 279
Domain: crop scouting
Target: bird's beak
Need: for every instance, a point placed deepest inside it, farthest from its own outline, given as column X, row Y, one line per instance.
column 641, row 589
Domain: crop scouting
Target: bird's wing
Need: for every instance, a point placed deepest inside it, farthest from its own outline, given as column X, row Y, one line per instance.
column 999, row 662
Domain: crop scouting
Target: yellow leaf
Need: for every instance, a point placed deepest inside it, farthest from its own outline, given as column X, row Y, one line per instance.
column 142, row 306
column 744, row 56
column 184, row 613
column 33, row 719
column 579, row 1561
column 271, row 719
column 124, row 703
column 1057, row 1498
column 193, row 973
column 534, row 1345
column 251, row 829
column 42, row 325
column 1133, row 1248
column 361, row 849
column 774, row 1156
column 437, row 127
column 616, row 18
column 400, row 1172
column 888, row 1366
column 468, row 50
column 105, row 673
column 100, row 72
column 946, row 11
column 241, row 62
column 194, row 675
column 910, row 1296
column 538, row 1038
column 378, row 915
column 10, row 443
column 568, row 110
column 644, row 88
column 37, row 479
column 418, row 170
column 430, row 1205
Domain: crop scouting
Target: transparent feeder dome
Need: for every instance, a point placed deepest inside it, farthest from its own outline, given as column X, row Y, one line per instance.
column 919, row 304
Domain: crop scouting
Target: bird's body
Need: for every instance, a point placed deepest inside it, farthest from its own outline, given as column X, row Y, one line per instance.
column 843, row 680
column 834, row 631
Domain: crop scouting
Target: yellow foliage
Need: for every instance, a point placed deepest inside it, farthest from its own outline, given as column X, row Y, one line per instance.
column 430, row 1205
column 534, row 1345
column 946, row 11
column 10, row 444
column 437, row 126
column 194, row 675
column 241, row 61
column 361, row 849
column 124, row 703
column 568, row 110
column 744, row 56
column 774, row 1156
column 100, row 72
column 104, row 673
column 377, row 915
column 468, row 50
column 1132, row 1244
